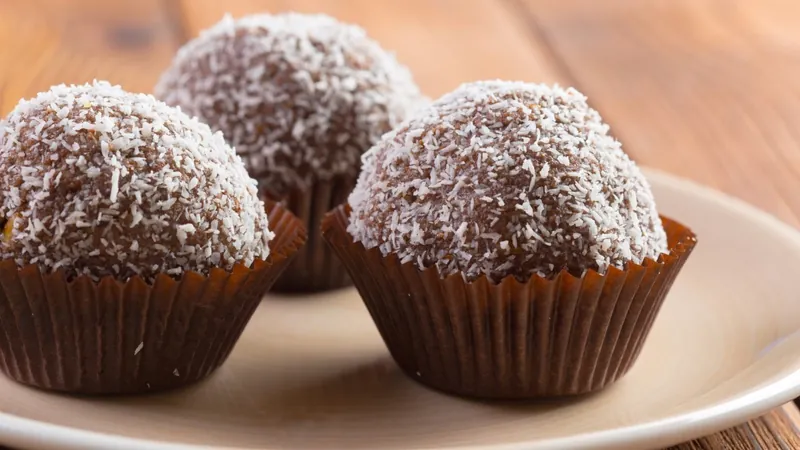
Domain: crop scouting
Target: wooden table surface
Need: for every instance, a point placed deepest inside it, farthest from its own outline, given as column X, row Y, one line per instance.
column 705, row 89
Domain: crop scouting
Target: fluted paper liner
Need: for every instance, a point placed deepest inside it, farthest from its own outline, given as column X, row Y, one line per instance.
column 546, row 337
column 315, row 267
column 111, row 337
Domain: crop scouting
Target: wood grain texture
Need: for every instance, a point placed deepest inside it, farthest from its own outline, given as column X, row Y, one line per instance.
column 774, row 431
column 76, row 41
column 444, row 42
column 702, row 88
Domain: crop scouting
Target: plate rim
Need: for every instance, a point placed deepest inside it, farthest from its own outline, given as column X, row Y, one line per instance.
column 15, row 430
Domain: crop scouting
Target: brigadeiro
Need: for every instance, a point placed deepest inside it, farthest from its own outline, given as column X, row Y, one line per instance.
column 300, row 97
column 506, row 246
column 135, row 247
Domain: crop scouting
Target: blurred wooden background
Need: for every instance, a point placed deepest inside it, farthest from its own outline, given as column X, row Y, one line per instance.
column 705, row 89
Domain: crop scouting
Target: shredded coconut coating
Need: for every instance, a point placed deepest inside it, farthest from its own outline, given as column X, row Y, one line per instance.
column 506, row 178
column 300, row 97
column 100, row 181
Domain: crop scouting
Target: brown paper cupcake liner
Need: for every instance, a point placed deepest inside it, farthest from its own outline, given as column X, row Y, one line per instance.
column 316, row 267
column 111, row 337
column 546, row 337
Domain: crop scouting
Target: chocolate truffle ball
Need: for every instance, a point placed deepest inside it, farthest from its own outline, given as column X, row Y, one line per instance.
column 506, row 178
column 99, row 181
column 300, row 97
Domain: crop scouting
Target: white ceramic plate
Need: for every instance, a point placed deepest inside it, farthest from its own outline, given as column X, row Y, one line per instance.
column 313, row 372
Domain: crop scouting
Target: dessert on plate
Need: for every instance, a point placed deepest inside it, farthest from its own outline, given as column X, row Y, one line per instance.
column 300, row 97
column 506, row 246
column 134, row 248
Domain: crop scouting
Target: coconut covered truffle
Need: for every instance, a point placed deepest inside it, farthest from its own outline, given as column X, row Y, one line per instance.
column 300, row 97
column 99, row 181
column 506, row 178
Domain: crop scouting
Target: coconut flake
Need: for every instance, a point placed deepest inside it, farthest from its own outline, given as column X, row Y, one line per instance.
column 123, row 157
column 300, row 96
column 519, row 179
